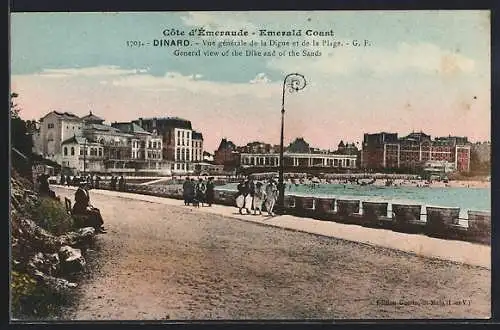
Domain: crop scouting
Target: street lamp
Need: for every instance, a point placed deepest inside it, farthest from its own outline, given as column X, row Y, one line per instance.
column 294, row 82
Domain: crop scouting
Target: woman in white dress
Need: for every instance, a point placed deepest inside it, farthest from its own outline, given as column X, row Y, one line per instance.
column 271, row 196
column 241, row 196
column 258, row 198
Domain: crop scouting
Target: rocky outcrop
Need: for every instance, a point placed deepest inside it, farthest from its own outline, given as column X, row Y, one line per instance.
column 48, row 258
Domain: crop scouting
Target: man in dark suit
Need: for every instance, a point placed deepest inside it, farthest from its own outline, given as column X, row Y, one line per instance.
column 83, row 207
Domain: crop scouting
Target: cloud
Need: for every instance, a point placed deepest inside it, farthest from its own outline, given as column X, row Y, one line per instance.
column 97, row 71
column 421, row 58
column 260, row 78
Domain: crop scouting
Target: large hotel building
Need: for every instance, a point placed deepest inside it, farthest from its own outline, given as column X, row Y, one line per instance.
column 414, row 151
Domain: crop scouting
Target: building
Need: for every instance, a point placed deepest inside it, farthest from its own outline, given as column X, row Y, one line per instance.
column 299, row 154
column 116, row 144
column 258, row 147
column 54, row 128
column 145, row 149
column 197, row 145
column 177, row 140
column 204, row 169
column 80, row 155
column 208, row 157
column 483, row 151
column 227, row 155
column 412, row 152
column 380, row 150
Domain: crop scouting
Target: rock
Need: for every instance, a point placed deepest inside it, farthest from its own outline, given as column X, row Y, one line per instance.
column 46, row 263
column 80, row 237
column 72, row 260
column 59, row 285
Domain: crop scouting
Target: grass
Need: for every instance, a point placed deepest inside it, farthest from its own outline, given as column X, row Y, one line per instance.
column 51, row 215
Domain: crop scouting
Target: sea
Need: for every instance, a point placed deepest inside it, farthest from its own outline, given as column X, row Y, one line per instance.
column 474, row 199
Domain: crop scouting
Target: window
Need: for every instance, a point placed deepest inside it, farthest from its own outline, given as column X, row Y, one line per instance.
column 65, row 151
column 178, row 154
column 187, row 135
column 81, row 151
column 50, row 125
column 72, row 151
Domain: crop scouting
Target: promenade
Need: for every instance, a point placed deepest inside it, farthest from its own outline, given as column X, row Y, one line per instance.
column 163, row 260
column 421, row 245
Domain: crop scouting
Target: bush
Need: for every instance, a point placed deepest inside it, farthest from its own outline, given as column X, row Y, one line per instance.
column 32, row 299
column 51, row 215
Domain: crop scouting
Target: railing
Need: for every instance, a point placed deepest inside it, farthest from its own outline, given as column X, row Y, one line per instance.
column 442, row 222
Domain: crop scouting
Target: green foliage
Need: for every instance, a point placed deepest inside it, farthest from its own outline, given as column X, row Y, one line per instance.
column 21, row 285
column 51, row 215
column 29, row 298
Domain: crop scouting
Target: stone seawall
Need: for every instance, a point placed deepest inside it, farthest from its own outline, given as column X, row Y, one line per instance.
column 442, row 222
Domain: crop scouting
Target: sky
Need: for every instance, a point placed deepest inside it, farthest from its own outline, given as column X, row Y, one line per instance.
column 420, row 71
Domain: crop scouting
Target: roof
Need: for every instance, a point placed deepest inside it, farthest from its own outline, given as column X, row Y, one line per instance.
column 105, row 128
column 197, row 136
column 129, row 127
column 63, row 115
column 175, row 122
column 92, row 118
column 226, row 144
column 75, row 139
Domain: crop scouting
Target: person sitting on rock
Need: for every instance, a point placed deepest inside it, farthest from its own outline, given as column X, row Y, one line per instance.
column 83, row 207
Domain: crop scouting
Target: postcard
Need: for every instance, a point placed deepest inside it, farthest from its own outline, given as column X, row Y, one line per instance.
column 259, row 165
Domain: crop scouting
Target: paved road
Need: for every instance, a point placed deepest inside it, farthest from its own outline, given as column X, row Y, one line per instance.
column 174, row 262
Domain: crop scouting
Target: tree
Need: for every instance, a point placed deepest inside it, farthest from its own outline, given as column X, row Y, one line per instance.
column 14, row 108
column 20, row 138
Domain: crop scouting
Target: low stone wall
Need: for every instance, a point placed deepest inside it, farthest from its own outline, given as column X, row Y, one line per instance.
column 441, row 221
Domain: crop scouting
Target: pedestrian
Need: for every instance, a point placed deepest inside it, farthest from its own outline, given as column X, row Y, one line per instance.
column 258, row 199
column 201, row 190
column 97, row 181
column 192, row 193
column 185, row 190
column 241, row 195
column 250, row 195
column 210, row 191
column 63, row 181
column 271, row 196
column 113, row 182
column 121, row 183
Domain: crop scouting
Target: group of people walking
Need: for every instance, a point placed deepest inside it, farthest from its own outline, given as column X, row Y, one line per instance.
column 198, row 192
column 117, row 180
column 254, row 195
column 93, row 181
